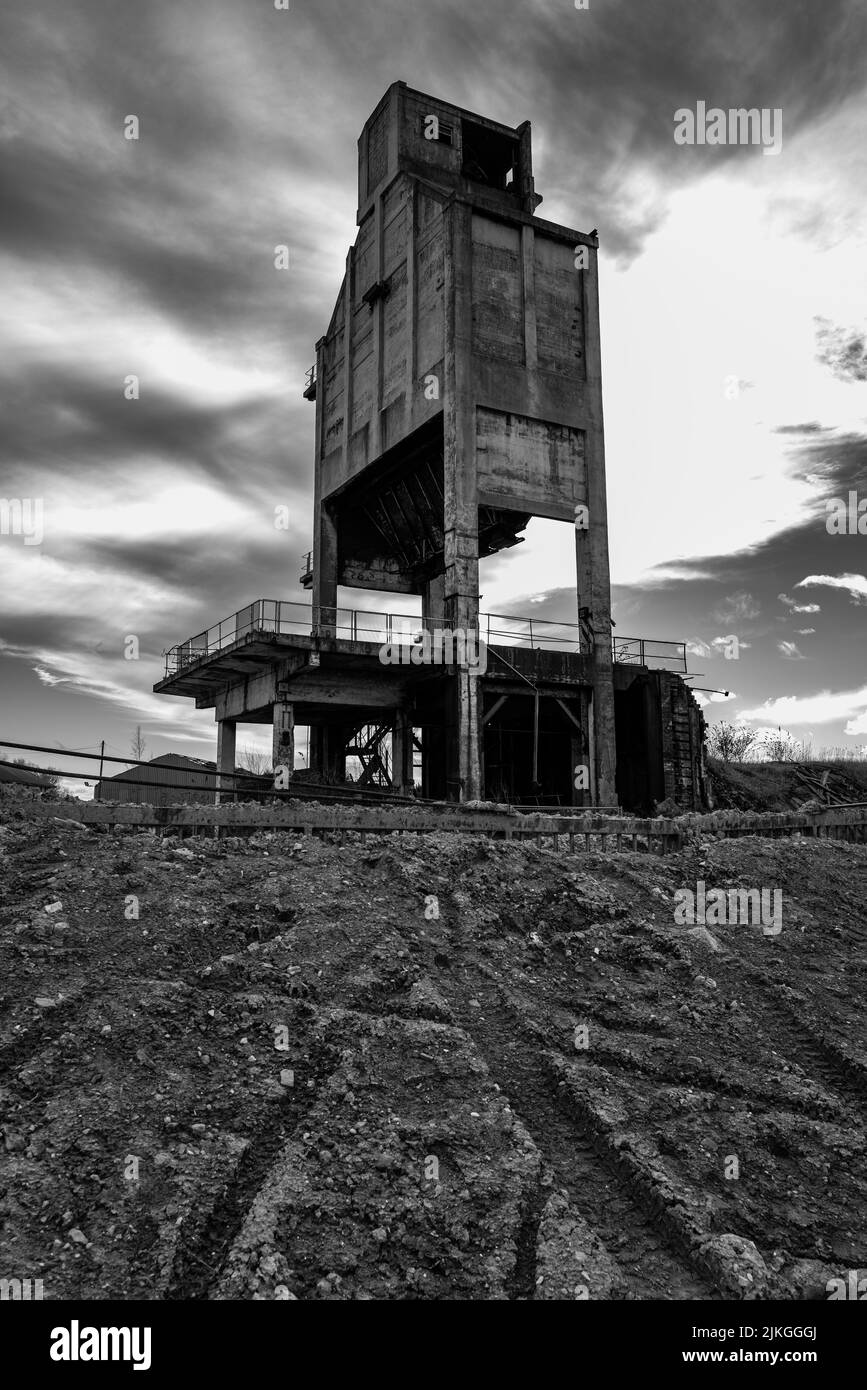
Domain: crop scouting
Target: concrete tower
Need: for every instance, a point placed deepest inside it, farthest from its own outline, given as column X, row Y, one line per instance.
column 458, row 394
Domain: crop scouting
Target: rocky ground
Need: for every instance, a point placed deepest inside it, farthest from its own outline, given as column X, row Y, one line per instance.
column 425, row 1067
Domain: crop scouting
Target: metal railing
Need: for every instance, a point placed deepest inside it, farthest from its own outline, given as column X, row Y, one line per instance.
column 506, row 630
column 656, row 653
column 284, row 617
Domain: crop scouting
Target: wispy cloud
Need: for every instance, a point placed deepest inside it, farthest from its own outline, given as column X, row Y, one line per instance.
column 855, row 585
column 822, row 708
column 843, row 350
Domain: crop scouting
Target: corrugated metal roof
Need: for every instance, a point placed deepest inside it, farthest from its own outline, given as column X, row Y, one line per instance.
column 174, row 768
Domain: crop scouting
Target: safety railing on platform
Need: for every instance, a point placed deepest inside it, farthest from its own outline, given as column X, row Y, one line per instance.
column 650, row 651
column 288, row 618
column 285, row 617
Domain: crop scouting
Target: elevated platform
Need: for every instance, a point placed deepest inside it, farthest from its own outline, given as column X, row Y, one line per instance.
column 288, row 664
column 319, row 672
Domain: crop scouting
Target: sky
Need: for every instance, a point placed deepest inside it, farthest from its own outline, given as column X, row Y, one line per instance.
column 733, row 289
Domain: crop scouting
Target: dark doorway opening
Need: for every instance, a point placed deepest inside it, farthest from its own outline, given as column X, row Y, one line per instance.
column 640, row 778
column 509, row 738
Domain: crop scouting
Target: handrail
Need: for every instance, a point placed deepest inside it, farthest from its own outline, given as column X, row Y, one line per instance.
column 644, row 651
column 287, row 617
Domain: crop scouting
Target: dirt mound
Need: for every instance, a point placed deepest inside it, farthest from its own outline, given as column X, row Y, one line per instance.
column 426, row 1067
column 785, row 786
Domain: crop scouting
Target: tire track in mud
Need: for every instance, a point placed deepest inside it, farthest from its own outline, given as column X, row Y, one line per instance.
column 652, row 1265
column 201, row 1257
column 795, row 1038
column 821, row 1059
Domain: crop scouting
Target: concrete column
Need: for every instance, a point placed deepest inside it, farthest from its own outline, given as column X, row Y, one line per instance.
column 410, row 384
column 591, row 749
column 461, row 496
column 336, row 751
column 464, row 765
column 378, row 336
column 579, row 797
column 283, row 745
column 317, row 539
column 401, row 753
column 324, row 569
column 433, row 600
column 461, row 500
column 474, row 757
column 594, row 585
column 227, row 731
column 528, row 273
column 324, row 529
column 328, row 751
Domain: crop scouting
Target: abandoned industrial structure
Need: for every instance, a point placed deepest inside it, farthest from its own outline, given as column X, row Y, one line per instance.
column 458, row 394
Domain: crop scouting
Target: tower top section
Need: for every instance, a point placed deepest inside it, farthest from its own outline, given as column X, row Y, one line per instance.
column 446, row 146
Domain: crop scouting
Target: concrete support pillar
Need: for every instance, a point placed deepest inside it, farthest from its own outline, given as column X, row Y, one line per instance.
column 317, row 750
column 227, row 731
column 461, row 519
column 433, row 600
column 594, row 585
column 472, row 742
column 324, row 572
column 283, row 745
column 324, row 530
column 336, row 752
column 591, row 747
column 580, row 796
column 401, row 753
column 460, row 493
column 328, row 752
column 464, row 738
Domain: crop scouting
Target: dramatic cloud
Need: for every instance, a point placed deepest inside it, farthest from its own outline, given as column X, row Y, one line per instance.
column 154, row 258
column 845, row 352
column 855, row 585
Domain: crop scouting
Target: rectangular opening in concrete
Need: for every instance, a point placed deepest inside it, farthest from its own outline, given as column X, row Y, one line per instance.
column 488, row 156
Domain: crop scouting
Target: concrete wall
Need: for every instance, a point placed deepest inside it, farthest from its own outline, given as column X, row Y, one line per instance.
column 459, row 303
